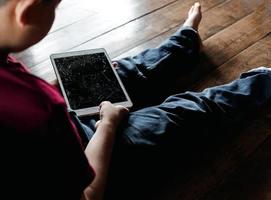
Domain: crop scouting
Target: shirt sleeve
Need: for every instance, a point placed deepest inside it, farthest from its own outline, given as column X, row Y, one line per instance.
column 74, row 168
column 49, row 163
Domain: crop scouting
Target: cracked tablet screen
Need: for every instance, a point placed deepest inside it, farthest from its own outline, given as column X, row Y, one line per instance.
column 88, row 80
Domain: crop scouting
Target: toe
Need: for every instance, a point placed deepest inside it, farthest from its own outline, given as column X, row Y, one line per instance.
column 197, row 6
column 191, row 10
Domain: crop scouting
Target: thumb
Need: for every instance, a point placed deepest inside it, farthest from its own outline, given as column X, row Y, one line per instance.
column 97, row 124
column 115, row 64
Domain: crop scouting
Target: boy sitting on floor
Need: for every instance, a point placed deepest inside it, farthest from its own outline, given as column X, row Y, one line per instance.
column 44, row 157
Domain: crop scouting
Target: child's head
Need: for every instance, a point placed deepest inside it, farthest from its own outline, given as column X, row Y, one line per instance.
column 25, row 22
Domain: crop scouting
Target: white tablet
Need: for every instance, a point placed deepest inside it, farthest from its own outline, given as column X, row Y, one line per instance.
column 87, row 78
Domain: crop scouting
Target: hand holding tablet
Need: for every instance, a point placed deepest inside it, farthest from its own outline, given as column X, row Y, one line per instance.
column 87, row 78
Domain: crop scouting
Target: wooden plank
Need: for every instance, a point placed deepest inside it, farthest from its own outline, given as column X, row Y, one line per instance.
column 227, row 43
column 128, row 36
column 73, row 11
column 152, row 43
column 252, row 180
column 213, row 21
column 48, row 73
column 103, row 9
column 256, row 56
column 143, row 28
column 221, row 47
column 202, row 179
column 123, row 39
column 89, row 28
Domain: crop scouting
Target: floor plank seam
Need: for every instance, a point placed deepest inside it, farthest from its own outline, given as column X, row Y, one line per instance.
column 155, row 10
column 232, row 57
column 119, row 26
column 180, row 24
column 236, row 168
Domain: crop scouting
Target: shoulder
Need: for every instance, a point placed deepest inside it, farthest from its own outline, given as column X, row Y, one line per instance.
column 26, row 98
column 34, row 121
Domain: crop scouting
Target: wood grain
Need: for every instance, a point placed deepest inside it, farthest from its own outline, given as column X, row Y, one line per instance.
column 202, row 179
column 132, row 34
column 214, row 20
column 229, row 42
column 252, row 180
column 89, row 28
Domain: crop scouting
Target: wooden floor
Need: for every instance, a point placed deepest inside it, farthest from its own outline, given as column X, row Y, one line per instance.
column 236, row 37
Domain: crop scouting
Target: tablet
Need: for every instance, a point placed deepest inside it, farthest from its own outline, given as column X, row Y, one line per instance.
column 87, row 78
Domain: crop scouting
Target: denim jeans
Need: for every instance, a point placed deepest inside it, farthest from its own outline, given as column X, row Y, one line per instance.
column 160, row 124
column 150, row 76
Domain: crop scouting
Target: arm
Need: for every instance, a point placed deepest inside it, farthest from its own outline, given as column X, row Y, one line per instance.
column 99, row 149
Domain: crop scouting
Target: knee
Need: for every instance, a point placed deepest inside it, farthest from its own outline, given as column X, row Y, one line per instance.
column 261, row 69
column 257, row 72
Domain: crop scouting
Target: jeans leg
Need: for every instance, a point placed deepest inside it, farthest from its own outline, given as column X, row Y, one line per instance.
column 85, row 127
column 154, row 138
column 149, row 75
column 216, row 106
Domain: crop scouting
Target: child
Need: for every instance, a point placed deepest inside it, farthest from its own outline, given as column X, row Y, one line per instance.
column 44, row 157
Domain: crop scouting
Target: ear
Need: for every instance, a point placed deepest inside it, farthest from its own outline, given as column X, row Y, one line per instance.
column 24, row 11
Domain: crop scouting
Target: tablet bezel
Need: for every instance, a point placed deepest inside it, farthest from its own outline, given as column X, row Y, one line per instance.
column 90, row 110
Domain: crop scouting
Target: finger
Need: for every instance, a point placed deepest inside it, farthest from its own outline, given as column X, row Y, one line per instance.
column 197, row 5
column 115, row 64
column 97, row 124
column 121, row 107
column 103, row 103
column 191, row 9
column 123, row 110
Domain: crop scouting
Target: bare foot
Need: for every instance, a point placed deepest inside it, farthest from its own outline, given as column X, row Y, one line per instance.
column 193, row 20
column 194, row 17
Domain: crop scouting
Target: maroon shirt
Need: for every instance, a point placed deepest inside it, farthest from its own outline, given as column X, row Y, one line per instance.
column 44, row 151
